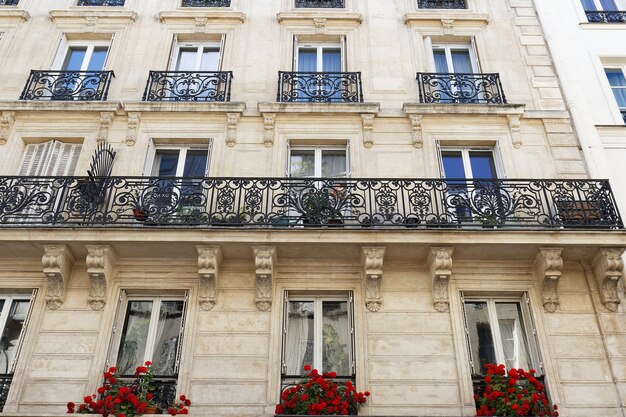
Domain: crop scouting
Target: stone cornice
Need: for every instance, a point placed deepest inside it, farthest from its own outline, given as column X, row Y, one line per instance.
column 469, row 109
column 12, row 15
column 64, row 106
column 198, row 17
column 329, row 17
column 462, row 17
column 182, row 106
column 101, row 18
column 318, row 108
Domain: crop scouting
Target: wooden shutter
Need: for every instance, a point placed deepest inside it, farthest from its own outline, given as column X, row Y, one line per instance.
column 208, row 157
column 352, row 333
column 430, row 58
column 173, row 53
column 106, row 59
column 150, row 155
column 295, row 53
column 531, row 332
column 283, row 353
column 221, row 55
column 36, row 158
column 181, row 333
column 59, row 58
column 474, row 56
column 343, row 52
column 20, row 341
column 118, row 328
column 467, row 335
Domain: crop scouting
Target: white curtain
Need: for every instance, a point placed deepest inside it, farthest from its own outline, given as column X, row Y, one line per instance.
column 298, row 347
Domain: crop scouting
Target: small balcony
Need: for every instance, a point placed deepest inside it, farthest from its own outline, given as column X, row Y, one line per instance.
column 188, row 86
column 9, row 2
column 319, row 87
column 403, row 204
column 206, row 3
column 600, row 16
column 320, row 4
column 457, row 88
column 67, row 85
column 441, row 4
column 101, row 2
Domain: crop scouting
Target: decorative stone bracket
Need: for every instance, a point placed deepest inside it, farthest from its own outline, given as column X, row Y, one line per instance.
column 231, row 129
column 440, row 265
column 269, row 122
column 515, row 127
column 264, row 260
column 100, row 263
column 106, row 118
column 608, row 267
column 548, row 266
column 368, row 128
column 373, row 268
column 134, row 119
column 209, row 261
column 416, row 128
column 57, row 264
column 6, row 123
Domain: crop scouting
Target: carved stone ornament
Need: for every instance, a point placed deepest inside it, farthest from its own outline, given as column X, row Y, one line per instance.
column 320, row 25
column 231, row 129
column 209, row 260
column 57, row 264
column 100, row 263
column 6, row 123
column 515, row 126
column 201, row 24
column 416, row 127
column 105, row 123
column 608, row 267
column 440, row 265
column 368, row 127
column 269, row 121
column 548, row 266
column 373, row 268
column 134, row 119
column 264, row 260
column 448, row 26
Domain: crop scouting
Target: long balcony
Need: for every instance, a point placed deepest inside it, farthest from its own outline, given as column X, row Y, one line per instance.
column 300, row 203
column 320, row 87
column 320, row 4
column 67, row 85
column 599, row 16
column 206, row 3
column 188, row 86
column 460, row 88
column 441, row 4
column 101, row 2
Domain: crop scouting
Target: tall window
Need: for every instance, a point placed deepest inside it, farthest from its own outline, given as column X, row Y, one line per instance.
column 318, row 162
column 193, row 57
column 468, row 163
column 85, row 57
column 617, row 81
column 599, row 5
column 318, row 57
column 52, row 158
column 318, row 331
column 455, row 58
column 180, row 161
column 500, row 330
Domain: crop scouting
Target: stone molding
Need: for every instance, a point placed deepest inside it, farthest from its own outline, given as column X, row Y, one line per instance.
column 264, row 261
column 269, row 129
column 231, row 128
column 515, row 127
column 465, row 109
column 320, row 19
column 372, row 260
column 416, row 130
column 440, row 264
column 7, row 118
column 200, row 19
column 608, row 267
column 93, row 19
column 548, row 266
column 100, row 263
column 134, row 120
column 106, row 118
column 184, row 106
column 209, row 262
column 319, row 108
column 11, row 16
column 57, row 264
column 448, row 19
column 368, row 128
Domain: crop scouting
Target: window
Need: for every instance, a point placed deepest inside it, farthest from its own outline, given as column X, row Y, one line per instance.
column 14, row 311
column 180, row 161
column 318, row 162
column 500, row 330
column 455, row 58
column 617, row 81
column 52, row 158
column 195, row 56
column 468, row 163
column 318, row 331
column 318, row 57
column 81, row 55
column 599, row 5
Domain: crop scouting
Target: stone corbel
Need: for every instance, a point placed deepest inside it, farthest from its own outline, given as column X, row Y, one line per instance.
column 515, row 127
column 269, row 121
column 320, row 25
column 134, row 119
column 57, row 264
column 608, row 267
column 100, row 263
column 548, row 266
column 231, row 129
column 448, row 26
column 6, row 123
column 209, row 261
column 201, row 24
column 373, row 268
column 106, row 118
column 264, row 260
column 416, row 127
column 440, row 265
column 368, row 127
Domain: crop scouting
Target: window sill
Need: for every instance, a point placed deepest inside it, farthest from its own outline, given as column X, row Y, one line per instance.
column 463, row 17
column 335, row 15
column 489, row 109
column 108, row 14
column 318, row 108
column 184, row 106
column 196, row 14
column 65, row 106
column 12, row 13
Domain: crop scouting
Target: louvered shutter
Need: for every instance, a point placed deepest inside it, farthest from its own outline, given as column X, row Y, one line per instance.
column 181, row 333
column 221, row 56
column 173, row 53
column 59, row 58
column 118, row 327
column 35, row 159
column 20, row 341
column 352, row 333
column 467, row 335
column 531, row 331
column 64, row 159
column 283, row 353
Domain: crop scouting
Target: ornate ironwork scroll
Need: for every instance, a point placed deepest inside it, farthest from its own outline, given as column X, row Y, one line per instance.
column 101, row 2
column 206, row 3
column 323, row 87
column 67, row 85
column 441, row 4
column 606, row 16
column 460, row 88
column 9, row 2
column 335, row 4
column 188, row 86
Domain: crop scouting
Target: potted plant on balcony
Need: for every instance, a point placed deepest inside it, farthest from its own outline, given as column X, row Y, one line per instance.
column 320, row 395
column 127, row 399
column 323, row 206
column 512, row 393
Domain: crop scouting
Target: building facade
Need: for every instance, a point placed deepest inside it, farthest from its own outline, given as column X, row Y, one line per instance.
column 393, row 191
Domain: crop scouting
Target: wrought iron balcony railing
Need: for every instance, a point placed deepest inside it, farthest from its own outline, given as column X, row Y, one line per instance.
column 441, row 4
column 67, row 85
column 321, row 4
column 101, row 2
column 164, row 389
column 623, row 112
column 188, row 86
column 460, row 88
column 9, row 2
column 320, row 87
column 291, row 202
column 606, row 16
column 5, row 384
column 206, row 3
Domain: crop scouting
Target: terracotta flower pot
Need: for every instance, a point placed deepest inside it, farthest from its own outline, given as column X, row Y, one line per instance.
column 150, row 410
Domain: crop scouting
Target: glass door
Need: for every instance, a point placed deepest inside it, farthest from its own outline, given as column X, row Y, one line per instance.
column 325, row 59
column 80, row 58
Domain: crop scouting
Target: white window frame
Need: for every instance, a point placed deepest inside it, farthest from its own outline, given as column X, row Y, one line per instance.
column 319, row 46
column 64, row 51
column 318, row 299
column 621, row 68
column 318, row 158
column 465, row 153
column 120, row 322
column 4, row 316
column 182, row 156
column 200, row 47
column 448, row 47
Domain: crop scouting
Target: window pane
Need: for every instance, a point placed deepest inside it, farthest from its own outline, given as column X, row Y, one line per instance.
column 307, row 60
column 134, row 336
column 334, row 163
column 335, row 337
column 167, row 335
column 74, row 59
column 331, row 60
column 480, row 338
column 589, row 5
column 461, row 61
column 195, row 163
column 441, row 65
column 11, row 333
column 210, row 59
column 187, row 59
column 482, row 164
column 513, row 336
column 608, row 5
column 453, row 164
column 616, row 77
column 166, row 163
column 302, row 163
column 97, row 59
column 299, row 342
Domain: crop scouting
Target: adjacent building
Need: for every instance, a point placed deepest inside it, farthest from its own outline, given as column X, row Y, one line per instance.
column 394, row 191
